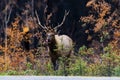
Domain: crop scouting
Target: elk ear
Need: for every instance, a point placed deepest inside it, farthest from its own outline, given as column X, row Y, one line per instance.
column 55, row 30
column 59, row 31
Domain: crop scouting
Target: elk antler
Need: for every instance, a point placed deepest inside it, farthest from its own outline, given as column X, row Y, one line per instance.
column 66, row 13
column 39, row 23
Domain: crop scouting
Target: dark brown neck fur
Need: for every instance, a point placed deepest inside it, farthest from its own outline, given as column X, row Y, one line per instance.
column 52, row 46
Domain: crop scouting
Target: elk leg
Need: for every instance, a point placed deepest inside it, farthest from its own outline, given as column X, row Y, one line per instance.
column 66, row 66
column 65, row 71
column 55, row 64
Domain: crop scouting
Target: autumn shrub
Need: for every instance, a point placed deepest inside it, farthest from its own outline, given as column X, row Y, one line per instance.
column 107, row 64
column 110, row 59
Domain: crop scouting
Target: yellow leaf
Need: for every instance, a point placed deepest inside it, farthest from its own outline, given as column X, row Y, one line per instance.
column 25, row 29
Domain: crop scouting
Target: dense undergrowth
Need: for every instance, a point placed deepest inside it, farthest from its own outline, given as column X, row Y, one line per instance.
column 86, row 64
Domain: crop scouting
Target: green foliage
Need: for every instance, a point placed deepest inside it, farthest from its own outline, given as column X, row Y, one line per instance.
column 83, row 51
column 110, row 60
column 29, row 65
column 78, row 67
column 30, row 72
column 15, row 72
column 117, row 71
column 11, row 72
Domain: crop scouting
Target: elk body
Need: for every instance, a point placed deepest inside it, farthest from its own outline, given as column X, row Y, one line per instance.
column 59, row 45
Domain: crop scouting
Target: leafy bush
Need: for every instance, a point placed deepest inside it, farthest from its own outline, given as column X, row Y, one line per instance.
column 78, row 67
column 116, row 71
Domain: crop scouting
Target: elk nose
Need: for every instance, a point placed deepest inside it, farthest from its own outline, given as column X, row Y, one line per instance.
column 48, row 39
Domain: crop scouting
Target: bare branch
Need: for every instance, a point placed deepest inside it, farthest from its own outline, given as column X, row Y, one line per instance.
column 66, row 13
column 9, row 16
column 7, row 11
column 44, row 27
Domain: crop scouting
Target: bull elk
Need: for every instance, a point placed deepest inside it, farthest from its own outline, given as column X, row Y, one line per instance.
column 59, row 45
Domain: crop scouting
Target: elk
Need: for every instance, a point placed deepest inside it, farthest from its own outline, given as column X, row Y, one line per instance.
column 59, row 45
